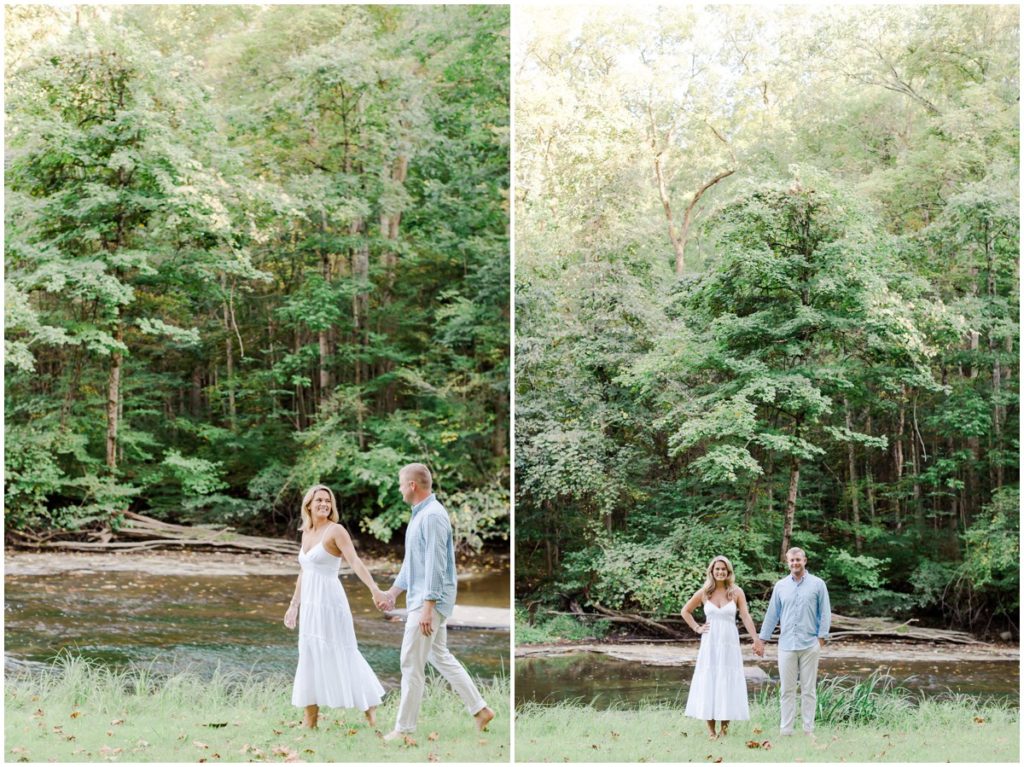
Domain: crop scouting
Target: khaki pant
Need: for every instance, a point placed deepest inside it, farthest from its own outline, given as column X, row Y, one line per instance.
column 802, row 665
column 416, row 651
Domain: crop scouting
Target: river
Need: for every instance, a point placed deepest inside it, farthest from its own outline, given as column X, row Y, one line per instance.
column 602, row 680
column 174, row 617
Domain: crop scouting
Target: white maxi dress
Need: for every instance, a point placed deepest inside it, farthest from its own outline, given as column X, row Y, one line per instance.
column 718, row 690
column 331, row 671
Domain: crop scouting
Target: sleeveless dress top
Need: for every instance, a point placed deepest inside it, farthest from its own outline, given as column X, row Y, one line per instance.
column 331, row 671
column 719, row 690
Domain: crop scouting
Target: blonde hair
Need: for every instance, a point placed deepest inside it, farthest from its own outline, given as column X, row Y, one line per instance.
column 419, row 474
column 307, row 501
column 710, row 583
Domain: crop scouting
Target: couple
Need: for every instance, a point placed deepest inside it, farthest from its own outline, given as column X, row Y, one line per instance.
column 719, row 690
column 331, row 671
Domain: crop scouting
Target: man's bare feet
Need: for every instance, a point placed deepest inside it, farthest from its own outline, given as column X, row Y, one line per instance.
column 483, row 718
column 393, row 735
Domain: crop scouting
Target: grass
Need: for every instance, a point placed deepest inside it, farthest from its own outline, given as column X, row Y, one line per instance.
column 544, row 629
column 76, row 711
column 866, row 721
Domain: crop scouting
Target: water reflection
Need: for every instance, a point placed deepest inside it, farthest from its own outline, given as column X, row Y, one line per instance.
column 601, row 681
column 176, row 622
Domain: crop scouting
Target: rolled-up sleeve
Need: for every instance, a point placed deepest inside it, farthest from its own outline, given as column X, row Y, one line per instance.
column 436, row 557
column 402, row 579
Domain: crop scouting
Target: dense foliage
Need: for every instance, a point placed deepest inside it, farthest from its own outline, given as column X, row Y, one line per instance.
column 767, row 295
column 253, row 248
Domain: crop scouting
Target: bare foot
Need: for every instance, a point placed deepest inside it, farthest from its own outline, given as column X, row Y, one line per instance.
column 393, row 735
column 723, row 730
column 483, row 718
column 712, row 735
column 371, row 715
column 309, row 724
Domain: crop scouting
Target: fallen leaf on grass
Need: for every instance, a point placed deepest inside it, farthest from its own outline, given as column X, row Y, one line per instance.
column 38, row 712
column 615, row 734
column 19, row 750
column 216, row 724
column 74, row 714
column 117, row 721
column 432, row 757
column 108, row 751
column 278, row 732
column 433, row 736
column 765, row 744
column 482, row 741
column 308, row 751
column 286, row 752
column 69, row 738
column 408, row 741
column 758, row 730
column 59, row 729
column 142, row 743
column 215, row 756
column 199, row 744
column 595, row 746
column 979, row 720
column 352, row 731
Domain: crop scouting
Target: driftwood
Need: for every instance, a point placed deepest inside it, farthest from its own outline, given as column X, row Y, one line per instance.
column 843, row 627
column 145, row 534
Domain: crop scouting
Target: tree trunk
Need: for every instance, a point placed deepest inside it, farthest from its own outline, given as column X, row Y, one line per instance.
column 229, row 356
column 195, row 398
column 790, row 514
column 851, row 458
column 114, row 397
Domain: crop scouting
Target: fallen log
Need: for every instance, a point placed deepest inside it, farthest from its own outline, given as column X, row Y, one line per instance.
column 843, row 627
column 647, row 622
column 156, row 534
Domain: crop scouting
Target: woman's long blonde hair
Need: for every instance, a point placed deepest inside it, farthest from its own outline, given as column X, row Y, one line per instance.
column 307, row 501
column 710, row 583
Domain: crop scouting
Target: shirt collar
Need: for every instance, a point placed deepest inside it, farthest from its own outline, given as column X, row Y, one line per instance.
column 420, row 506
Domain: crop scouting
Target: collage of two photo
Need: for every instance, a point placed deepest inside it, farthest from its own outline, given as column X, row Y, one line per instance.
column 504, row 383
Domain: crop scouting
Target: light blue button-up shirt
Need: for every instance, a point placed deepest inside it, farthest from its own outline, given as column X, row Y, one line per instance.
column 428, row 569
column 804, row 609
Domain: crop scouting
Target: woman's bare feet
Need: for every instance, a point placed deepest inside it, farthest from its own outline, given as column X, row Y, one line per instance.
column 711, row 730
column 483, row 718
column 371, row 715
column 723, row 729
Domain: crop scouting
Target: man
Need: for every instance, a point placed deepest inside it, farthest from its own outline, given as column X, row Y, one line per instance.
column 801, row 601
column 428, row 575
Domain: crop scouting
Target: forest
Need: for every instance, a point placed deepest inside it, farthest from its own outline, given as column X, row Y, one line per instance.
column 767, row 295
column 252, row 248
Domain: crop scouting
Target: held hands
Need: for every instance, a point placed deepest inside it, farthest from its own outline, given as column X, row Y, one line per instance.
column 384, row 600
column 758, row 647
column 290, row 617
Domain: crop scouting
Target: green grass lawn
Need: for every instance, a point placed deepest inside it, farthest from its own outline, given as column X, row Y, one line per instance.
column 77, row 712
column 932, row 731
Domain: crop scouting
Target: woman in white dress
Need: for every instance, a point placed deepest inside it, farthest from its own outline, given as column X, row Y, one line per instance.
column 331, row 671
column 719, row 689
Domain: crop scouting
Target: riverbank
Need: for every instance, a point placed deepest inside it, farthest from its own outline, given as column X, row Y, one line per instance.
column 685, row 653
column 77, row 712
column 19, row 562
column 933, row 731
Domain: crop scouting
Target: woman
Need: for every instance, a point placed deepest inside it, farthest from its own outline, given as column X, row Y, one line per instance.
column 331, row 672
column 719, row 690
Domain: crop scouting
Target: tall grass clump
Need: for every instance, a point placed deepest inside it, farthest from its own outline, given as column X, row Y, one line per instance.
column 845, row 700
